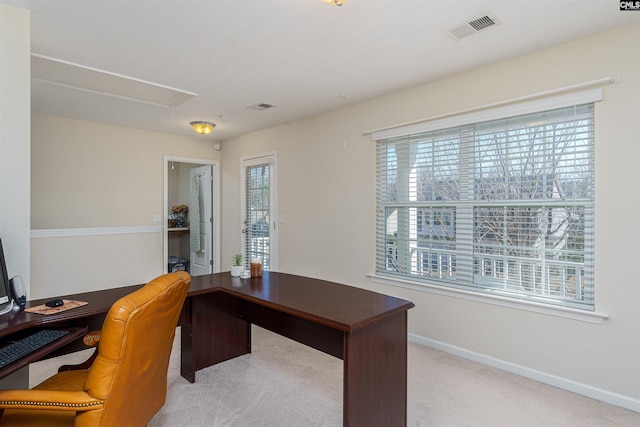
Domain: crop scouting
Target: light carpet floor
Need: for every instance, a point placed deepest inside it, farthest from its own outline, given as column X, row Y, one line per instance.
column 283, row 383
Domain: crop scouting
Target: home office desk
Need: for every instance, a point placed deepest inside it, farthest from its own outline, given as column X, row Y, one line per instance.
column 367, row 330
column 15, row 325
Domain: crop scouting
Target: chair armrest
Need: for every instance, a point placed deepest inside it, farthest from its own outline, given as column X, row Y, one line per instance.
column 48, row 399
column 92, row 338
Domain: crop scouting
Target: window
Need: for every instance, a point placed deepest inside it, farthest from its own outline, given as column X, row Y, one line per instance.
column 503, row 206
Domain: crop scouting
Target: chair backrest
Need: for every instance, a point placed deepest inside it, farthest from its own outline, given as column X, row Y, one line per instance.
column 130, row 371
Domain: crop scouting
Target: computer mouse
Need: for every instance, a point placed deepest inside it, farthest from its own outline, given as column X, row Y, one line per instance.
column 54, row 303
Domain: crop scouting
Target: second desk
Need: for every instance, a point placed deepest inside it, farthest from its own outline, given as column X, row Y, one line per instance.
column 365, row 329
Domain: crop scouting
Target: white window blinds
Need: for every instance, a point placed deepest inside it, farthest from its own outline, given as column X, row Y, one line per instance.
column 257, row 234
column 504, row 206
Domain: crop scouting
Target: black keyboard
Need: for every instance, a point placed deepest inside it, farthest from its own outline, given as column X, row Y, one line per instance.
column 25, row 346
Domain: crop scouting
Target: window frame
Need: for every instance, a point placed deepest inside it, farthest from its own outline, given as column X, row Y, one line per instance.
column 538, row 105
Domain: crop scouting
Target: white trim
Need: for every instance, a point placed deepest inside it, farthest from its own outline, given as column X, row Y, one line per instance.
column 168, row 158
column 536, row 307
column 96, row 231
column 513, row 107
column 247, row 160
column 612, row 398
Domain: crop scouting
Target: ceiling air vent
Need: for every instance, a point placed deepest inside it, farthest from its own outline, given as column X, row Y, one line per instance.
column 260, row 107
column 468, row 28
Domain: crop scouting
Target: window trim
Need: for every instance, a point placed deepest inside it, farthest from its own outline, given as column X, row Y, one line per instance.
column 535, row 307
column 454, row 120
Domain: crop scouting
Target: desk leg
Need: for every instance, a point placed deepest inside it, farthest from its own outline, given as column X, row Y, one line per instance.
column 375, row 374
column 212, row 333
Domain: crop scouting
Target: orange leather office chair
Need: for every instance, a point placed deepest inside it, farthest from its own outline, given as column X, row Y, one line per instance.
column 127, row 382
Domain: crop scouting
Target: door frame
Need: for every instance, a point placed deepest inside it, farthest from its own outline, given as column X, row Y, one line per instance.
column 215, row 211
column 254, row 160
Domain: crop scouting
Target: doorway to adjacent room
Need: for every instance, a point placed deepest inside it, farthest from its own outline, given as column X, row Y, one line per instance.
column 192, row 219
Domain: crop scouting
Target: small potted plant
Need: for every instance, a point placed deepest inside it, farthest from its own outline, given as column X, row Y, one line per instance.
column 236, row 265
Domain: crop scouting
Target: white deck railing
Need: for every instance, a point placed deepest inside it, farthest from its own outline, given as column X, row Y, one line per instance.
column 540, row 277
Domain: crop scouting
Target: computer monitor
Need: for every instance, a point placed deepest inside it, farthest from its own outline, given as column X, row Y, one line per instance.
column 5, row 291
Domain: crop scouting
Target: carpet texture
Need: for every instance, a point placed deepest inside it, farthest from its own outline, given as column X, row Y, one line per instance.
column 283, row 383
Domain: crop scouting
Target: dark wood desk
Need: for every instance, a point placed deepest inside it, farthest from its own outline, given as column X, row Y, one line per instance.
column 14, row 325
column 367, row 330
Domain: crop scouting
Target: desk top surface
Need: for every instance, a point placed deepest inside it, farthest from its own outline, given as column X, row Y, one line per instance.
column 332, row 304
column 98, row 302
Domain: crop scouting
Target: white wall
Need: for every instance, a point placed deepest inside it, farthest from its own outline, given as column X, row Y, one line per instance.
column 15, row 106
column 327, row 192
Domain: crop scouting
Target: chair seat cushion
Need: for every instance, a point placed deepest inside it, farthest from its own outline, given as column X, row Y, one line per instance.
column 65, row 381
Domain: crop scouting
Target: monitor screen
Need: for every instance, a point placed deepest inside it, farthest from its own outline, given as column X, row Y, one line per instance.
column 5, row 298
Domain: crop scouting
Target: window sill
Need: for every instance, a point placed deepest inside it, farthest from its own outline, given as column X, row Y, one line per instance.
column 568, row 313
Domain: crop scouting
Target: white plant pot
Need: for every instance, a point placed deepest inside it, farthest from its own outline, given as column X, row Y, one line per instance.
column 236, row 270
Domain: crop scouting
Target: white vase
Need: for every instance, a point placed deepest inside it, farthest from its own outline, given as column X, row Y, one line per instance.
column 236, row 270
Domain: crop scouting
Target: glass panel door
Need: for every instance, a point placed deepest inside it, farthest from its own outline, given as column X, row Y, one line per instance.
column 259, row 222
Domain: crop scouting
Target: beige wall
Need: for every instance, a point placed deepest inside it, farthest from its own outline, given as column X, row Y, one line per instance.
column 88, row 176
column 76, row 263
column 326, row 193
column 15, row 108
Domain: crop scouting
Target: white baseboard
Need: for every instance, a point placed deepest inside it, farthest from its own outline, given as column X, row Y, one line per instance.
column 563, row 383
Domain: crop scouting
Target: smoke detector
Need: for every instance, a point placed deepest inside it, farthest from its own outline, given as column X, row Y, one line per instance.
column 473, row 26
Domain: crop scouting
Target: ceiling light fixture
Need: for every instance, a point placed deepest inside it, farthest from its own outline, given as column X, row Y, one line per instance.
column 336, row 2
column 203, row 128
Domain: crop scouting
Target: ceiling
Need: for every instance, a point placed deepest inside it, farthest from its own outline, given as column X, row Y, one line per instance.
column 303, row 57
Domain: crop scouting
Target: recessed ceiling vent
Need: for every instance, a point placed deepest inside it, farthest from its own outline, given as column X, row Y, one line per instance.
column 468, row 28
column 260, row 107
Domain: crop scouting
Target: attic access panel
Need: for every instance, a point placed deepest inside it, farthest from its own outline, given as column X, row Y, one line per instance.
column 79, row 77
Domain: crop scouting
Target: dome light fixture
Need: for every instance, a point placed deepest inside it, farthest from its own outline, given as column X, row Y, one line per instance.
column 203, row 128
column 336, row 2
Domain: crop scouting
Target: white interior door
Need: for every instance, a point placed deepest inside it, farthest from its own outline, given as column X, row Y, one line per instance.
column 201, row 220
